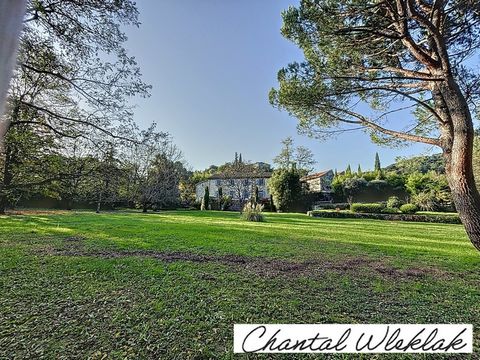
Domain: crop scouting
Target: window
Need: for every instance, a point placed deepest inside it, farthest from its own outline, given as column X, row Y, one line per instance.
column 232, row 194
column 245, row 182
column 218, row 182
column 232, row 182
column 260, row 182
column 261, row 194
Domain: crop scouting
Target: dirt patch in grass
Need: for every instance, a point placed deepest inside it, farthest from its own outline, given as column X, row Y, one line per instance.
column 74, row 246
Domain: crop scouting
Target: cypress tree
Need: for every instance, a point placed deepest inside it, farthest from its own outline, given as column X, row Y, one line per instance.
column 220, row 198
column 240, row 158
column 378, row 166
column 349, row 170
column 206, row 198
column 359, row 171
column 236, row 158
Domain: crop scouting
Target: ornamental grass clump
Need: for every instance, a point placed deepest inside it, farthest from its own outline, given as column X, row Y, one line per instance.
column 252, row 212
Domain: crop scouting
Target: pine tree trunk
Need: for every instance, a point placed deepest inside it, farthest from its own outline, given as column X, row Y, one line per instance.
column 457, row 144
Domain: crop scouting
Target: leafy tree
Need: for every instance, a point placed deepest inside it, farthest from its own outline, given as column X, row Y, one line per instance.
column 285, row 159
column 301, row 156
column 285, row 188
column 353, row 186
column 393, row 55
column 422, row 164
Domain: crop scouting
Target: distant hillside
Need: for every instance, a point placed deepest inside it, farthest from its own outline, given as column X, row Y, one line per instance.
column 421, row 164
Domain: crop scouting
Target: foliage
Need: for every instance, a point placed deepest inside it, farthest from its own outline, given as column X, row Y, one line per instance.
column 286, row 189
column 390, row 210
column 299, row 156
column 252, row 212
column 429, row 191
column 378, row 166
column 206, row 199
column 392, row 56
column 333, row 206
column 418, row 164
column 393, row 202
column 409, row 208
column 367, row 208
column 353, row 186
column 394, row 216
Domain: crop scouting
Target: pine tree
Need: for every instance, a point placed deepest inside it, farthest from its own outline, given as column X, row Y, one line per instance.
column 378, row 166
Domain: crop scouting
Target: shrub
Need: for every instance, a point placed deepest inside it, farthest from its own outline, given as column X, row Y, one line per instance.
column 393, row 202
column 332, row 206
column 445, row 219
column 390, row 210
column 409, row 208
column 373, row 208
column 286, row 189
column 252, row 212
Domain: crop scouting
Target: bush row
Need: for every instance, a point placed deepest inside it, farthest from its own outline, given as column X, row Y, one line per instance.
column 446, row 219
column 380, row 208
column 374, row 208
column 332, row 206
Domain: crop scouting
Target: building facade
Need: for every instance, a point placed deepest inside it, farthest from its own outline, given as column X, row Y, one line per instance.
column 238, row 188
column 320, row 182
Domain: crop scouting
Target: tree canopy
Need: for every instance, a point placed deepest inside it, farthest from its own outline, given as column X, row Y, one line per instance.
column 395, row 69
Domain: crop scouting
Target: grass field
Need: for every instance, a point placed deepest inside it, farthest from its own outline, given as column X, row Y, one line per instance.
column 172, row 284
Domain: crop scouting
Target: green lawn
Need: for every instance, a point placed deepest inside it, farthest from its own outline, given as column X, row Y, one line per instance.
column 132, row 285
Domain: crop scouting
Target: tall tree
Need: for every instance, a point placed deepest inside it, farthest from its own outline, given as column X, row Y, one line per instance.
column 301, row 156
column 378, row 166
column 285, row 159
column 396, row 56
column 64, row 77
column 285, row 188
column 11, row 15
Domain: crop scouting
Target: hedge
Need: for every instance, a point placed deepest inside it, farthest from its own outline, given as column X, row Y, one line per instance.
column 445, row 219
column 333, row 206
column 373, row 208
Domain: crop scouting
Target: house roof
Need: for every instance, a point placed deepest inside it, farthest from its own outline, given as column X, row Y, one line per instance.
column 241, row 176
column 316, row 175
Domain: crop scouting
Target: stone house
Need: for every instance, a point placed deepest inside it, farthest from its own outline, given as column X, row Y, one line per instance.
column 238, row 188
column 320, row 182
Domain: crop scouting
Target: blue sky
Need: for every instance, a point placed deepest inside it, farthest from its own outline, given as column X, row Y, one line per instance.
column 211, row 64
